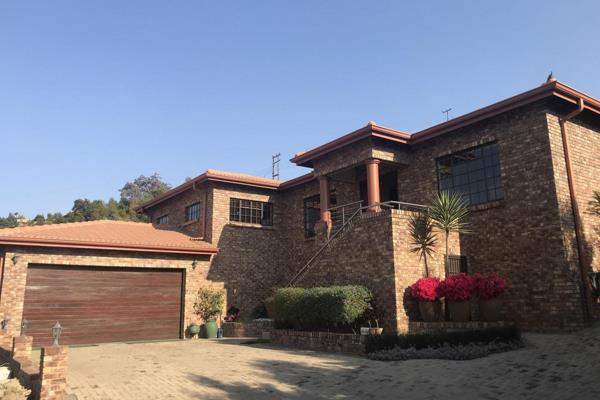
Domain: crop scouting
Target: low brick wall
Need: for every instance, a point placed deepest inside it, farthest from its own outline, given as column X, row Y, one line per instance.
column 46, row 382
column 260, row 328
column 320, row 341
column 449, row 326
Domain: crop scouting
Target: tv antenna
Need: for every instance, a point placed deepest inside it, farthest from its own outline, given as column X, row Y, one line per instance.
column 447, row 112
column 275, row 166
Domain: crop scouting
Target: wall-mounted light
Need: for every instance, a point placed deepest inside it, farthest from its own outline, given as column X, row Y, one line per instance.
column 56, row 331
column 24, row 325
column 4, row 325
column 194, row 264
column 15, row 259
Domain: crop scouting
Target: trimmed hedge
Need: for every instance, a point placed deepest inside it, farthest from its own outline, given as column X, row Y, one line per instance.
column 432, row 340
column 320, row 308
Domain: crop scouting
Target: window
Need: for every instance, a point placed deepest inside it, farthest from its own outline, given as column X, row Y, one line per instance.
column 475, row 173
column 162, row 220
column 253, row 212
column 312, row 212
column 192, row 213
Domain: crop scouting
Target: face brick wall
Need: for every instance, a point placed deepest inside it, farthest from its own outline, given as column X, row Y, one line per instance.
column 11, row 302
column 249, row 255
column 377, row 252
column 521, row 236
column 584, row 145
column 175, row 208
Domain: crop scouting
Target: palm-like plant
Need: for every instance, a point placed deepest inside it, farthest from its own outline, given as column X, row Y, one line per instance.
column 595, row 204
column 449, row 211
column 423, row 237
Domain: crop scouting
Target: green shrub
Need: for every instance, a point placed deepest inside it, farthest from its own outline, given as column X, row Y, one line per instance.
column 418, row 341
column 209, row 302
column 320, row 308
column 260, row 311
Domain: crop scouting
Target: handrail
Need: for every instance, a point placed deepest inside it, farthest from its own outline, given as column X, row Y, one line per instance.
column 314, row 257
column 358, row 211
column 345, row 205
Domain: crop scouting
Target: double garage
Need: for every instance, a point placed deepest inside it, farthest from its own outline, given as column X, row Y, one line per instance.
column 133, row 282
column 103, row 304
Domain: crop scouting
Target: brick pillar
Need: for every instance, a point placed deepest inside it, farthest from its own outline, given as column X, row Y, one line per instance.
column 373, row 190
column 53, row 372
column 21, row 349
column 324, row 199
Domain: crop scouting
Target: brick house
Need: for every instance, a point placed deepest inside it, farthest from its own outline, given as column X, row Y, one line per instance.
column 528, row 166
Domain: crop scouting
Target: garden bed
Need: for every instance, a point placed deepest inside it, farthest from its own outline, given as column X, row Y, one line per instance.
column 457, row 345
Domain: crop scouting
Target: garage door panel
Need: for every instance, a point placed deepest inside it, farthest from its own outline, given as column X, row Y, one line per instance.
column 103, row 304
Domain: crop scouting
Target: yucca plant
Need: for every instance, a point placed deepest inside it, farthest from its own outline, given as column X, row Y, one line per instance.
column 595, row 204
column 423, row 237
column 449, row 212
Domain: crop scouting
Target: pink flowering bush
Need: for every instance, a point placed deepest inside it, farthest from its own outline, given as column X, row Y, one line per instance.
column 427, row 289
column 459, row 287
column 489, row 286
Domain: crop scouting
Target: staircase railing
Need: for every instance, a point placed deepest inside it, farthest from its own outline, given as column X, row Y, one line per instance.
column 348, row 220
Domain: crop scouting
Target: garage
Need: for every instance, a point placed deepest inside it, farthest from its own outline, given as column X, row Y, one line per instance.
column 103, row 304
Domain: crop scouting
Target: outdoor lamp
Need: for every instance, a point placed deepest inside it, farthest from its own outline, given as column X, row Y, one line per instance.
column 15, row 259
column 56, row 330
column 4, row 324
column 24, row 325
column 194, row 264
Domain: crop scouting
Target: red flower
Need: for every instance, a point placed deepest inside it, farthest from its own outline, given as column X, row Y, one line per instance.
column 489, row 286
column 459, row 287
column 426, row 289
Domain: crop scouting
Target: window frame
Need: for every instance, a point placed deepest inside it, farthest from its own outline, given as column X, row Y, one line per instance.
column 164, row 217
column 187, row 214
column 481, row 183
column 252, row 212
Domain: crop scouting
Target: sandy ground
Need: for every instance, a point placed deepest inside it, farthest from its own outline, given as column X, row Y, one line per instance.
column 549, row 367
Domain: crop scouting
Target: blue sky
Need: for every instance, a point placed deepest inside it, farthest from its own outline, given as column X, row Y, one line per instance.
column 95, row 93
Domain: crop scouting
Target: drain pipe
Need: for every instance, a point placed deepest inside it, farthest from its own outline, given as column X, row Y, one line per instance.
column 574, row 206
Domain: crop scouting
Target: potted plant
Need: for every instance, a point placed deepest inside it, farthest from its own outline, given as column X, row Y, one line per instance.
column 427, row 292
column 489, row 288
column 208, row 305
column 371, row 317
column 193, row 329
column 458, row 290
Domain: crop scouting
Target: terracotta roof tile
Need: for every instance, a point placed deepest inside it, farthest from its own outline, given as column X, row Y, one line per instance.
column 107, row 234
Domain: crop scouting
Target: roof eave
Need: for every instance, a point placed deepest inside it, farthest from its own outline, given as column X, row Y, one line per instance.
column 370, row 130
column 104, row 246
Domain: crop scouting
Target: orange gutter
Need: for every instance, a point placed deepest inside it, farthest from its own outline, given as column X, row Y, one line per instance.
column 586, row 301
column 2, row 258
column 104, row 246
column 370, row 129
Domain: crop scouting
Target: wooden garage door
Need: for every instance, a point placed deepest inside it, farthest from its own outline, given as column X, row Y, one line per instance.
column 102, row 304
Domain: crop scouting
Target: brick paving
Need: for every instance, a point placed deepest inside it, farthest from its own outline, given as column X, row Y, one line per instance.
column 550, row 367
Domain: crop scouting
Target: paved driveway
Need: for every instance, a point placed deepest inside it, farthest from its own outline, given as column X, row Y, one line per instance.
column 550, row 367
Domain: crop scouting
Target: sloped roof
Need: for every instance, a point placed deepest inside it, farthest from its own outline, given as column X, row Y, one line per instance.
column 108, row 235
column 228, row 177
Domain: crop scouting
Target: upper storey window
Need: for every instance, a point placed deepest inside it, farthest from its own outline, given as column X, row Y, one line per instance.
column 192, row 213
column 250, row 211
column 162, row 220
column 475, row 173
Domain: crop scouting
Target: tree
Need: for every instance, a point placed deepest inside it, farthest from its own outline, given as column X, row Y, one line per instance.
column 595, row 204
column 11, row 221
column 141, row 190
column 423, row 237
column 449, row 212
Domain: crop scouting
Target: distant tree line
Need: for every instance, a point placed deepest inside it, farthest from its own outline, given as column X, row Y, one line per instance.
column 134, row 193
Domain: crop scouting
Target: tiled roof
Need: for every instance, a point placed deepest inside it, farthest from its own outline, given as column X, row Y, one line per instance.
column 105, row 234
